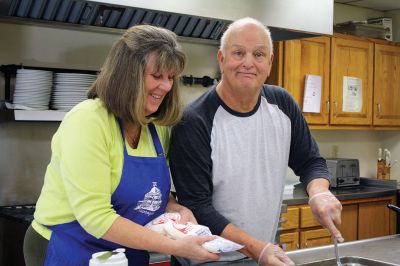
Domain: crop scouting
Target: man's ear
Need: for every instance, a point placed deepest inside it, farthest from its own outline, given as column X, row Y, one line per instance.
column 220, row 58
column 272, row 59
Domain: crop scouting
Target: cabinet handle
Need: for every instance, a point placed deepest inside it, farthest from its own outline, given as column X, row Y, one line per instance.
column 378, row 114
column 328, row 107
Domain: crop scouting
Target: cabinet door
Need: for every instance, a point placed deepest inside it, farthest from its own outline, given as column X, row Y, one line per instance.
column 289, row 241
column 291, row 218
column 387, row 85
column 351, row 58
column 303, row 57
column 276, row 75
column 307, row 218
column 315, row 238
column 348, row 228
column 373, row 219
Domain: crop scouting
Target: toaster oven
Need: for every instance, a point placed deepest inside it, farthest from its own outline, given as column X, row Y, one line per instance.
column 344, row 172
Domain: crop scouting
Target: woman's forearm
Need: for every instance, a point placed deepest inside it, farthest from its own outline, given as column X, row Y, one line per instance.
column 132, row 235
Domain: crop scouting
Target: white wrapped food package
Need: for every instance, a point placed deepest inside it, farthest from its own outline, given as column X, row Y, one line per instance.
column 176, row 231
column 158, row 223
column 217, row 245
column 221, row 245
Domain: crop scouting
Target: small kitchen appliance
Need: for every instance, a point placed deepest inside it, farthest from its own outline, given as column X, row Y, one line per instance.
column 344, row 172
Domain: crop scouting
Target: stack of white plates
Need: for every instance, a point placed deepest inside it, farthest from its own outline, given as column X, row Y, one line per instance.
column 33, row 89
column 70, row 89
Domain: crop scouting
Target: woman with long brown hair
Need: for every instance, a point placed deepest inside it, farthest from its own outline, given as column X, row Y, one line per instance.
column 108, row 175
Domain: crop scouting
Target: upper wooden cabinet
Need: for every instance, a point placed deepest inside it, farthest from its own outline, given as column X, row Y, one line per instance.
column 338, row 59
column 309, row 56
column 351, row 58
column 276, row 74
column 387, row 85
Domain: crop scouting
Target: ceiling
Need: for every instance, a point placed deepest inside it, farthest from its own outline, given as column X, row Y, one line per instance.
column 381, row 5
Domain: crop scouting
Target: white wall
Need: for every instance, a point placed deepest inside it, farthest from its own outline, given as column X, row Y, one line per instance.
column 362, row 145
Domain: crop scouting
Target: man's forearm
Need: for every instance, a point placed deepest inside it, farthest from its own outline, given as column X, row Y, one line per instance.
column 252, row 246
column 317, row 186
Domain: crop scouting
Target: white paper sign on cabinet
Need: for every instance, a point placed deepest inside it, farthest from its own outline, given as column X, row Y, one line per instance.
column 352, row 94
column 312, row 94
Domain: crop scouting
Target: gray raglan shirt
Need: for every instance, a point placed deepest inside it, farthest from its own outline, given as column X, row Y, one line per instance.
column 230, row 167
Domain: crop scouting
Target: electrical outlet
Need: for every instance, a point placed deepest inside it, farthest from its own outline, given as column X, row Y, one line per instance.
column 335, row 151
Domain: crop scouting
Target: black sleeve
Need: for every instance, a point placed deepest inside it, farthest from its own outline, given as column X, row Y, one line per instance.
column 191, row 169
column 304, row 157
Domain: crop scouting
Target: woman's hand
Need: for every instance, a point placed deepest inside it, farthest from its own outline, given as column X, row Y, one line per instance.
column 191, row 247
column 185, row 213
column 186, row 216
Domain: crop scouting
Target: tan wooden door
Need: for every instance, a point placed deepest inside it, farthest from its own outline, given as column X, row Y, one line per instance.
column 303, row 57
column 276, row 75
column 315, row 238
column 351, row 58
column 387, row 85
column 289, row 241
column 349, row 224
column 373, row 219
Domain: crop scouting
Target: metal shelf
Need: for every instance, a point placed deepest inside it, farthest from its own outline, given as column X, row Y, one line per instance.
column 27, row 115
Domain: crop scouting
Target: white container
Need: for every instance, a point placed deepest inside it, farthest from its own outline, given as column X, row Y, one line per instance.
column 117, row 259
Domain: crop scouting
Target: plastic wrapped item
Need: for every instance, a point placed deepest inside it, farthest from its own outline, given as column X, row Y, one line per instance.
column 176, row 230
column 158, row 223
column 167, row 224
column 221, row 245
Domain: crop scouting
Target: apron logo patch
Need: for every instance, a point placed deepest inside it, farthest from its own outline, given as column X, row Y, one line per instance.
column 151, row 202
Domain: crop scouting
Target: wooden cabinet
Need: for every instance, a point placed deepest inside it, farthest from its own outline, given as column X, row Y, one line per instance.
column 276, row 74
column 374, row 219
column 291, row 218
column 303, row 57
column 387, row 85
column 375, row 63
column 361, row 219
column 309, row 235
column 290, row 241
column 351, row 58
column 349, row 225
column 315, row 238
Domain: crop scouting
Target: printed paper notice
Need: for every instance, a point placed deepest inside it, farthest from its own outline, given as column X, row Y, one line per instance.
column 352, row 94
column 312, row 94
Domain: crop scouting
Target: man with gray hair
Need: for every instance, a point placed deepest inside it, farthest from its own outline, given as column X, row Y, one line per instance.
column 230, row 152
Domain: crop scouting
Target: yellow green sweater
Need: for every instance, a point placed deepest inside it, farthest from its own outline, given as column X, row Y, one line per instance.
column 85, row 169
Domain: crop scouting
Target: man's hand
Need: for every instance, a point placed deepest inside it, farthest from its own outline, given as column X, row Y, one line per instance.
column 327, row 210
column 273, row 255
column 325, row 206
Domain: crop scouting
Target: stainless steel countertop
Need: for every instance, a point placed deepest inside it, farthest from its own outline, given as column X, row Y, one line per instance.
column 385, row 249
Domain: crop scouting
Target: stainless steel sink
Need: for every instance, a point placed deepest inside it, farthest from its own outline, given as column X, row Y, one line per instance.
column 349, row 261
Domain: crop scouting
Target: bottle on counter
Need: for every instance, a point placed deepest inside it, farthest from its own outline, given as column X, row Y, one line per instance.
column 109, row 258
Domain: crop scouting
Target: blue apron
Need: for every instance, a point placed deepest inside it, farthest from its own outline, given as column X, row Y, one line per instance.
column 141, row 196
